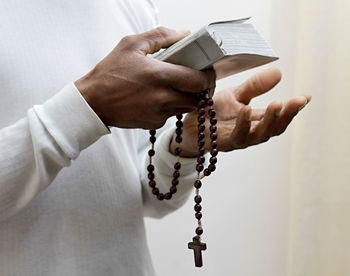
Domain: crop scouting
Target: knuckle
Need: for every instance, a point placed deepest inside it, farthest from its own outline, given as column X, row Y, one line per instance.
column 128, row 41
column 162, row 31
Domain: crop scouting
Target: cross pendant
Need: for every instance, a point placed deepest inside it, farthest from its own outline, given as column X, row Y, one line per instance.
column 197, row 247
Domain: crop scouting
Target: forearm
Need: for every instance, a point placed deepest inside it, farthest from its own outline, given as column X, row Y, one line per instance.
column 36, row 148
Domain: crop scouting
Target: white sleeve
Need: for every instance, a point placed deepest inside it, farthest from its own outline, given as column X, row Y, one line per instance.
column 163, row 162
column 37, row 147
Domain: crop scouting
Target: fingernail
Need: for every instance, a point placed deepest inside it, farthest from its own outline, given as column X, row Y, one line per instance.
column 302, row 107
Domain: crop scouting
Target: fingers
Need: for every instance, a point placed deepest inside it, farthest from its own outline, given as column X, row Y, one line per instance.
column 257, row 85
column 265, row 129
column 289, row 111
column 187, row 79
column 152, row 41
column 240, row 132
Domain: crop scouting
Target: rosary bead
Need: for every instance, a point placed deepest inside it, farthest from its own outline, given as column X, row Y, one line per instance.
column 214, row 152
column 201, row 151
column 177, row 166
column 151, row 176
column 207, row 172
column 178, row 139
column 199, row 231
column 201, row 136
column 213, row 136
column 176, row 174
column 151, row 152
column 198, row 199
column 177, row 151
column 168, row 196
column 197, row 184
column 202, row 104
column 150, row 168
column 199, row 167
column 213, row 129
column 214, row 144
column 152, row 184
column 179, row 117
column 175, row 182
column 155, row 191
column 210, row 102
column 160, row 196
column 212, row 113
column 152, row 139
column 201, row 128
column 179, row 124
column 152, row 132
column 178, row 131
column 212, row 168
column 201, row 144
column 213, row 160
column 213, row 121
column 173, row 190
column 200, row 159
column 201, row 112
column 198, row 215
column 201, row 119
column 197, row 207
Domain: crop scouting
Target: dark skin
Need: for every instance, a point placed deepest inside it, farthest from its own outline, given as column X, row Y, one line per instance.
column 128, row 89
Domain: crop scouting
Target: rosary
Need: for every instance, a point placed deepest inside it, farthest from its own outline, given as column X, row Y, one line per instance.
column 205, row 101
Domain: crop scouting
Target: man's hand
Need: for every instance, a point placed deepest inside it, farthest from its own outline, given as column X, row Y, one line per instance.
column 130, row 90
column 240, row 126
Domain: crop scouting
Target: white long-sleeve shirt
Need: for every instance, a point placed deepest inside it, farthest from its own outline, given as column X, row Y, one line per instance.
column 72, row 195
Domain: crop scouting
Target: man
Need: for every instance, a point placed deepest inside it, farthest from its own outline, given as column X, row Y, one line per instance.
column 85, row 217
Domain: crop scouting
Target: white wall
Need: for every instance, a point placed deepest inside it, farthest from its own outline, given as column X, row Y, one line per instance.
column 246, row 199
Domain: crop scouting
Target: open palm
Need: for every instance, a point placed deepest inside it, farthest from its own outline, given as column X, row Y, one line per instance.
column 239, row 126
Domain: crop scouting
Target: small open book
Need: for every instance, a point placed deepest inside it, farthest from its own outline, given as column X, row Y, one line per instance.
column 228, row 46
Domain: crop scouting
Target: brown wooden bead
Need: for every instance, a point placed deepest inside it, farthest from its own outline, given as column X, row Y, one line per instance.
column 151, row 176
column 214, row 152
column 178, row 131
column 214, row 144
column 202, row 104
column 176, row 174
column 151, row 152
column 197, row 184
column 213, row 136
column 213, row 129
column 210, row 102
column 198, row 199
column 199, row 231
column 211, row 113
column 179, row 124
column 197, row 207
column 152, row 184
column 201, row 119
column 201, row 128
column 175, row 182
column 152, row 132
column 179, row 117
column 201, row 144
column 207, row 172
column 213, row 160
column 177, row 166
column 201, row 151
column 168, row 196
column 201, row 112
column 173, row 190
column 201, row 136
column 155, row 191
column 152, row 139
column 198, row 215
column 160, row 196
column 200, row 159
column 213, row 121
column 178, row 139
column 199, row 167
column 211, row 167
column 150, row 168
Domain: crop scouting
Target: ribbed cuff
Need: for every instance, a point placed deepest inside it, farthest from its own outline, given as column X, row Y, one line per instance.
column 71, row 121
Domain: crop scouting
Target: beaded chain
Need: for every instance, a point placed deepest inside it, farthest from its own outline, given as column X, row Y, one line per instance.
column 204, row 101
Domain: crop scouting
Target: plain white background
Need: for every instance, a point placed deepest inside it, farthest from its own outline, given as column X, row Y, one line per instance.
column 245, row 202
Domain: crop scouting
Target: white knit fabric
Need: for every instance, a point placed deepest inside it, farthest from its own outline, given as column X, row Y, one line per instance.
column 72, row 200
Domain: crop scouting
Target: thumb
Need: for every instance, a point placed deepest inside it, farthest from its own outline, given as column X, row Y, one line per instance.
column 161, row 37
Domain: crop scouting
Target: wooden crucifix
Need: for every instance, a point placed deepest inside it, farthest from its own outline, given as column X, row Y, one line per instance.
column 197, row 247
